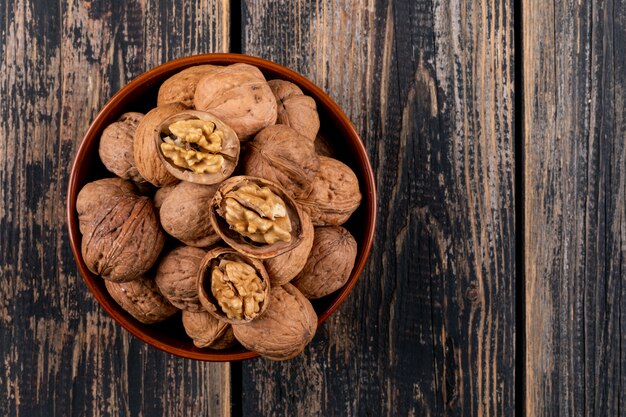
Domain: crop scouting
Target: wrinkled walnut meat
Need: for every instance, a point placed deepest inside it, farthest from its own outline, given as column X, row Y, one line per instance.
column 232, row 287
column 197, row 147
column 116, row 147
column 256, row 217
column 295, row 109
column 141, row 299
column 207, row 331
column 176, row 277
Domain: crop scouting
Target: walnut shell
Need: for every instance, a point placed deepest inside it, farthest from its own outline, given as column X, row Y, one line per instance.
column 283, row 268
column 145, row 149
column 280, row 154
column 243, row 244
column 176, row 277
column 295, row 109
column 239, row 95
column 207, row 331
column 97, row 193
column 121, row 235
column 116, row 147
column 141, row 299
column 160, row 195
column 286, row 327
column 180, row 87
column 330, row 262
column 335, row 194
column 204, row 282
column 229, row 149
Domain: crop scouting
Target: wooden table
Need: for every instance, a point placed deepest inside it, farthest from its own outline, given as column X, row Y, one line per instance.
column 497, row 281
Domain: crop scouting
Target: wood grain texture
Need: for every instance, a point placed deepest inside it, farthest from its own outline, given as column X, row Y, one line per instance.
column 429, row 328
column 61, row 354
column 575, row 208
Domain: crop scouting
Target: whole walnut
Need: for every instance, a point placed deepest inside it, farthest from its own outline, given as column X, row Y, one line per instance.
column 184, row 214
column 146, row 153
column 283, row 268
column 281, row 155
column 176, row 277
column 295, row 109
column 141, row 299
column 116, row 147
column 161, row 194
column 122, row 238
column 330, row 262
column 180, row 87
column 207, row 331
column 238, row 95
column 334, row 195
column 286, row 327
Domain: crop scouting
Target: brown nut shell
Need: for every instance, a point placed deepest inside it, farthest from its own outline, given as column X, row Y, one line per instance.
column 116, row 147
column 122, row 238
column 207, row 331
column 184, row 214
column 335, row 194
column 204, row 282
column 176, row 277
column 330, row 262
column 180, row 87
column 280, row 154
column 239, row 95
column 141, row 299
column 242, row 244
column 98, row 193
column 283, row 268
column 145, row 150
column 229, row 149
column 295, row 109
column 284, row 330
column 160, row 195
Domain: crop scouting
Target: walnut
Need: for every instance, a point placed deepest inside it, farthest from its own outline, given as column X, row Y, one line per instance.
column 146, row 150
column 184, row 214
column 283, row 268
column 180, row 87
column 176, row 277
column 160, row 195
column 330, row 262
column 239, row 95
column 295, row 109
column 335, row 194
column 116, row 147
column 256, row 217
column 286, row 327
column 232, row 287
column 207, row 331
column 141, row 299
column 121, row 234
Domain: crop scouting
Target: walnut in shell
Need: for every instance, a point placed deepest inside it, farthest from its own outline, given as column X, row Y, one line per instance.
column 197, row 147
column 280, row 154
column 256, row 217
column 116, row 147
column 141, row 299
column 145, row 149
column 180, row 87
column 295, row 109
column 207, row 331
column 184, row 214
column 122, row 238
column 232, row 287
column 239, row 95
column 283, row 268
column 176, row 277
column 330, row 262
column 286, row 327
column 160, row 195
column 94, row 195
column 335, row 194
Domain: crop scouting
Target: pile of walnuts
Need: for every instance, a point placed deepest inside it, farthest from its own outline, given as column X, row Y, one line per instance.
column 222, row 208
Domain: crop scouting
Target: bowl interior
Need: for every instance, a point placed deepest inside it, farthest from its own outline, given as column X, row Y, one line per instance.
column 140, row 95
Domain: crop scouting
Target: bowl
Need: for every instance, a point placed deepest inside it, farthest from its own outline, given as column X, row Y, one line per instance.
column 140, row 95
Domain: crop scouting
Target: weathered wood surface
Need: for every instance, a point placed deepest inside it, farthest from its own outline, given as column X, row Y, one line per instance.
column 429, row 328
column 575, row 207
column 61, row 354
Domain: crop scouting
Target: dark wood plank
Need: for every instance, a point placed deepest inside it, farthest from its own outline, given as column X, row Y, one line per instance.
column 575, row 208
column 61, row 354
column 429, row 328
